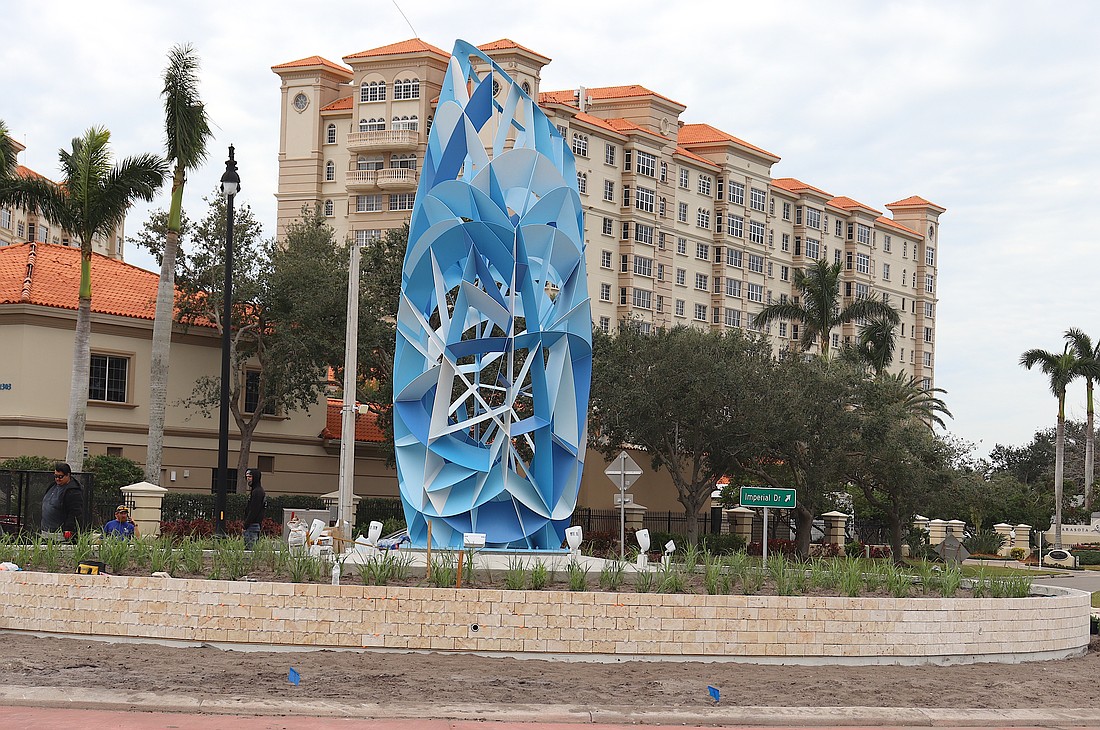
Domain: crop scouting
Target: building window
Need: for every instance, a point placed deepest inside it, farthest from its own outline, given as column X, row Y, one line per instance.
column 928, row 309
column 625, row 231
column 628, row 160
column 927, row 359
column 836, row 256
column 402, row 201
column 928, row 283
column 886, row 271
column 330, row 209
column 737, row 193
column 863, row 233
column 626, row 196
column 582, row 183
column 885, row 243
column 330, row 171
column 643, row 233
column 704, row 184
column 733, row 257
column 605, row 292
column 330, row 134
column 681, row 277
column 813, row 249
column 368, row 204
column 5, row 219
column 609, row 154
column 406, row 89
column 929, row 256
column 682, row 212
column 755, row 292
column 786, row 211
column 647, row 164
column 643, row 266
column 660, row 273
column 786, row 244
column 862, row 291
column 580, row 144
column 682, row 246
column 403, row 162
column 372, row 91
column 784, row 273
column 252, row 394
column 662, row 207
column 782, row 329
column 927, row 334
column 756, row 232
column 701, row 312
column 374, row 162
column 863, row 263
column 664, row 172
column 735, row 226
column 605, row 324
column 701, row 282
column 108, row 377
column 757, row 197
column 407, row 123
column 608, row 225
column 756, row 263
column 605, row 258
column 733, row 317
column 684, row 178
column 813, row 218
column 562, row 131
column 702, row 218
column 624, row 263
column 733, row 287
column 702, row 251
column 20, row 229
column 644, row 199
column 609, row 191
column 622, row 295
column 642, row 299
column 679, row 307
column 363, row 236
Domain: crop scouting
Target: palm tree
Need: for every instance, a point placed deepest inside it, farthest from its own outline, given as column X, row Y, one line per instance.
column 91, row 201
column 8, row 158
column 916, row 400
column 186, row 130
column 819, row 309
column 1061, row 369
column 1088, row 366
column 876, row 345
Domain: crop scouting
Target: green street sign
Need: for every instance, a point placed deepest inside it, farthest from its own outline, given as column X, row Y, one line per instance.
column 767, row 497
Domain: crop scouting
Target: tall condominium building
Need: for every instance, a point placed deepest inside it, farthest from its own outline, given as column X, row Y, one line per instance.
column 684, row 223
column 18, row 225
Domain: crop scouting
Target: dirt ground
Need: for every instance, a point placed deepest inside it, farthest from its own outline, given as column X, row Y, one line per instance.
column 412, row 678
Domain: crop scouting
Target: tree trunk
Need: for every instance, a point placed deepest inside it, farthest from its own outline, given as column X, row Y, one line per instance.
column 1089, row 451
column 1059, row 459
column 159, row 360
column 692, row 504
column 78, row 390
column 804, row 524
column 895, row 536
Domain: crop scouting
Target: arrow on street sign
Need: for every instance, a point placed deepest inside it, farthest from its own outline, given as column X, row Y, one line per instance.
column 623, row 471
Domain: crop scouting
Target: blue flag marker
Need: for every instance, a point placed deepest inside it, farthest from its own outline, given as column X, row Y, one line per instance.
column 294, row 678
column 714, row 693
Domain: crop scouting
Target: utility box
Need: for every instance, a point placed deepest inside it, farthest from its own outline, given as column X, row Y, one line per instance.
column 307, row 516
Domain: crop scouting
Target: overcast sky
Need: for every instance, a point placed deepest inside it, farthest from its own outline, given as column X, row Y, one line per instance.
column 989, row 109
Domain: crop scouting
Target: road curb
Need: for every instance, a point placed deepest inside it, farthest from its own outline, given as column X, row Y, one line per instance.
column 97, row 699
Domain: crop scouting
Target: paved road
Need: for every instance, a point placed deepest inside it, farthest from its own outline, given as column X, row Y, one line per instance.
column 1082, row 580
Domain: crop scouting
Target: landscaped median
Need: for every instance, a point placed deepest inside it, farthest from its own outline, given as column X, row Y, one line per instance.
column 579, row 625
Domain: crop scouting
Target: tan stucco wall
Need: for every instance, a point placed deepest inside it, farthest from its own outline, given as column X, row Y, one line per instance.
column 621, row 625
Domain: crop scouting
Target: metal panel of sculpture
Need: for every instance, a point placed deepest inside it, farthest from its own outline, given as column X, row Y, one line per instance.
column 493, row 361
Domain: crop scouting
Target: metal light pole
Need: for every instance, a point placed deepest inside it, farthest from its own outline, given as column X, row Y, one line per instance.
column 231, row 185
column 345, row 514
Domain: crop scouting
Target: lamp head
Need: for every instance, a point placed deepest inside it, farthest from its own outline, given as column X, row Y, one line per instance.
column 473, row 540
column 670, row 547
column 231, row 181
column 573, row 536
column 374, row 531
column 642, row 536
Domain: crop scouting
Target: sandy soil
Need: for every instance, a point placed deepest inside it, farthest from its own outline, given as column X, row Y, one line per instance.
column 419, row 678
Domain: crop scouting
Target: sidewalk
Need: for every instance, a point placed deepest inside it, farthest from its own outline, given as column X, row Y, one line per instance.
column 146, row 706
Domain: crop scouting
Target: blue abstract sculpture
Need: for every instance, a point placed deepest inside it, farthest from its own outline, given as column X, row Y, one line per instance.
column 493, row 362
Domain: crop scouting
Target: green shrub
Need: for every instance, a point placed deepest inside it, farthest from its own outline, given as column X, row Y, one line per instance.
column 1021, row 553
column 28, row 463
column 984, row 542
column 722, row 544
column 1088, row 557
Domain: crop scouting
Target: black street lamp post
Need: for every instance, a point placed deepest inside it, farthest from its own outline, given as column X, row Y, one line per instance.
column 231, row 185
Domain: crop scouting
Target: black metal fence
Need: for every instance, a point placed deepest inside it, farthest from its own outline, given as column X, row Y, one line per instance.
column 607, row 521
column 21, row 495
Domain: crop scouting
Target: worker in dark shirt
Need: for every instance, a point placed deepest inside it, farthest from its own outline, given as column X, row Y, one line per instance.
column 63, row 503
column 254, row 514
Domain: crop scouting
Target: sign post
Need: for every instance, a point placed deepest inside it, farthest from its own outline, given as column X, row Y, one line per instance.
column 765, row 497
column 623, row 471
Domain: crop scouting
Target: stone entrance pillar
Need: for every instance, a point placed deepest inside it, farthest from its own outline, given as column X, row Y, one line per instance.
column 146, row 499
column 937, row 531
column 1004, row 530
column 741, row 519
column 835, row 522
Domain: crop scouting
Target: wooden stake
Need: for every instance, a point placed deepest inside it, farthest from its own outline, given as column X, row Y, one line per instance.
column 458, row 578
column 428, row 555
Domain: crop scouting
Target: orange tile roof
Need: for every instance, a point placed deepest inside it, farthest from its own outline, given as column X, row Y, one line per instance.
column 413, row 45
column 557, row 97
column 703, row 133
column 846, row 203
column 697, row 158
column 338, row 105
column 48, row 274
column 312, row 61
column 605, row 92
column 894, row 224
column 595, row 121
column 625, row 126
column 22, row 171
column 366, row 427
column 506, row 43
column 915, row 201
column 797, row 186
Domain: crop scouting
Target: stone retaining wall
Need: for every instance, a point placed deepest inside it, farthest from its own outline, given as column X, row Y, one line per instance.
column 590, row 626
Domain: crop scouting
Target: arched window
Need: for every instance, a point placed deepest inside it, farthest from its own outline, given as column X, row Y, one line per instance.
column 428, row 126
column 407, row 162
column 582, row 182
column 580, row 144
column 330, row 209
column 330, row 171
column 373, row 162
column 406, row 89
column 372, row 91
column 372, row 125
column 330, row 134
column 405, row 122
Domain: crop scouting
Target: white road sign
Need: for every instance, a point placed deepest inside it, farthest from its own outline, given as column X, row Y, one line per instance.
column 623, row 471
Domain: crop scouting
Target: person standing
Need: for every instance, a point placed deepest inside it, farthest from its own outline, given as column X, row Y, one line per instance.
column 63, row 503
column 254, row 514
column 122, row 526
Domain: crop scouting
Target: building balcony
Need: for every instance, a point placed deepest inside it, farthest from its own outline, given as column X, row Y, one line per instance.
column 397, row 178
column 386, row 139
column 362, row 179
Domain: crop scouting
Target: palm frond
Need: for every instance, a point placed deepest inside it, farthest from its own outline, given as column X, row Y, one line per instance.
column 186, row 125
